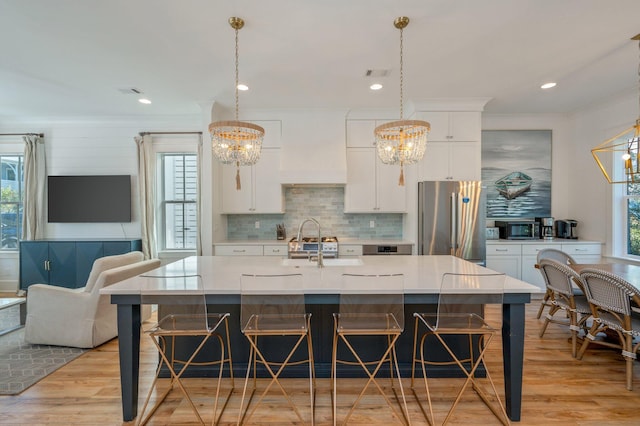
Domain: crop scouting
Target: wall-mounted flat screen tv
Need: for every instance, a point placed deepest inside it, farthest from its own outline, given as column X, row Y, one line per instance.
column 97, row 198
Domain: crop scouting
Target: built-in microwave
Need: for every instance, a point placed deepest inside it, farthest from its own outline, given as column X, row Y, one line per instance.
column 518, row 229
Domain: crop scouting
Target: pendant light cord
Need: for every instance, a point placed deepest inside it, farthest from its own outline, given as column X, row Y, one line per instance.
column 401, row 77
column 237, row 74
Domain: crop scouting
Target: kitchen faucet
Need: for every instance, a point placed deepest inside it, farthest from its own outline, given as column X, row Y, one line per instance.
column 299, row 238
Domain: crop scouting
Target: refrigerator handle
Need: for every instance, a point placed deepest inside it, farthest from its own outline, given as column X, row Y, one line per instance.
column 454, row 223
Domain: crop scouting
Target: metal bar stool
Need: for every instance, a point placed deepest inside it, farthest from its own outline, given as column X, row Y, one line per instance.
column 460, row 313
column 371, row 306
column 183, row 330
column 273, row 307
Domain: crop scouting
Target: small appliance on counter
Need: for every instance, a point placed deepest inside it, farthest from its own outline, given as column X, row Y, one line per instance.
column 546, row 227
column 518, row 229
column 492, row 233
column 567, row 228
column 281, row 232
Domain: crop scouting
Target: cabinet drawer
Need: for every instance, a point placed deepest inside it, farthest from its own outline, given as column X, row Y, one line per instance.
column 242, row 250
column 503, row 249
column 578, row 249
column 276, row 250
column 528, row 249
column 349, row 250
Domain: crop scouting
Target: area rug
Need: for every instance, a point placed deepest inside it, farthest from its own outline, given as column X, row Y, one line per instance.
column 23, row 364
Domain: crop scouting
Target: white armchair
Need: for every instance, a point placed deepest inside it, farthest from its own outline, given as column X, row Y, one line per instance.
column 81, row 317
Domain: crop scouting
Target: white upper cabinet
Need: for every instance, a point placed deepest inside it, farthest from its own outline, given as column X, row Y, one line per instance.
column 453, row 126
column 453, row 147
column 450, row 161
column 372, row 187
column 261, row 190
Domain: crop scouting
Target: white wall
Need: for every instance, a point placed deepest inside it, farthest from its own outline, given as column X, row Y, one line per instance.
column 590, row 196
column 89, row 146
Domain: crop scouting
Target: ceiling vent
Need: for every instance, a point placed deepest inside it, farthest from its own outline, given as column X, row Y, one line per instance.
column 130, row 91
column 376, row 73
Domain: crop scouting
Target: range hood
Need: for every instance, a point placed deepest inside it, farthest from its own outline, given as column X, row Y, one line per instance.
column 313, row 148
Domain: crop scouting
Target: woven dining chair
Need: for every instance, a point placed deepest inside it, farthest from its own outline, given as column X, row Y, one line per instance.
column 559, row 256
column 611, row 299
column 559, row 280
column 459, row 313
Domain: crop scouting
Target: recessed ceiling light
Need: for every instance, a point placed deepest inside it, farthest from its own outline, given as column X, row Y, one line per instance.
column 243, row 87
column 375, row 86
column 144, row 101
column 548, row 85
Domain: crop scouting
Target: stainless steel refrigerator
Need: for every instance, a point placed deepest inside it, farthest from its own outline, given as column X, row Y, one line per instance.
column 451, row 219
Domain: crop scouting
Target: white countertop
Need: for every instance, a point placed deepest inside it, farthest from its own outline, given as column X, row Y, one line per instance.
column 221, row 274
column 356, row 241
column 541, row 241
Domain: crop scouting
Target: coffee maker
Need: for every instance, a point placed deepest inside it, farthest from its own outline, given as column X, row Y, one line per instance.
column 546, row 227
column 567, row 228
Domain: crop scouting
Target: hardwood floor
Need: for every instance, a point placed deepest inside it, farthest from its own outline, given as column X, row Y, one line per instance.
column 557, row 390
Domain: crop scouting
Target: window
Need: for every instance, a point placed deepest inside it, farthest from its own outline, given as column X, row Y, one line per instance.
column 633, row 219
column 11, row 196
column 177, row 195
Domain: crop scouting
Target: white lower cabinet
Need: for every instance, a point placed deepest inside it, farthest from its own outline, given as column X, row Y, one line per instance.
column 504, row 258
column 584, row 252
column 239, row 250
column 518, row 259
column 349, row 250
column 275, row 250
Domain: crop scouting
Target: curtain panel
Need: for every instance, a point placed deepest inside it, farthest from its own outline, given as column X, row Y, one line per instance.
column 33, row 210
column 146, row 187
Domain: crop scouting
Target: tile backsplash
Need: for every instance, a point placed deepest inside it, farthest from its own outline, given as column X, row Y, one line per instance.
column 326, row 204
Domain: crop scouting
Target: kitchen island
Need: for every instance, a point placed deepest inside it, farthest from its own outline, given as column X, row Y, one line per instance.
column 218, row 278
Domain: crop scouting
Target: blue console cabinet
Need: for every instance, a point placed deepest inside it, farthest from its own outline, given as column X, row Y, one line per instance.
column 66, row 263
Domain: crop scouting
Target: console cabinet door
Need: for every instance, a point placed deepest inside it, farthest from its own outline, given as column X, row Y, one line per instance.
column 62, row 264
column 33, row 258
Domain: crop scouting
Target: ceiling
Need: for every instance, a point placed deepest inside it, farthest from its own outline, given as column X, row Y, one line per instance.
column 74, row 57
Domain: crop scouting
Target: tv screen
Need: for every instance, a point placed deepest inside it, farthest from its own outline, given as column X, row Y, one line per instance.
column 99, row 198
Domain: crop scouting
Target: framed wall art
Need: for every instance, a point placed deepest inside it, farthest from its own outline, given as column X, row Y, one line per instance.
column 516, row 170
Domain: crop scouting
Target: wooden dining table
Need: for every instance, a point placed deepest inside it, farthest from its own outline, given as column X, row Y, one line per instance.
column 630, row 273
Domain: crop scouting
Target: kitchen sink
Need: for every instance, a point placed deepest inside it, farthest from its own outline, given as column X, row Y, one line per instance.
column 326, row 262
